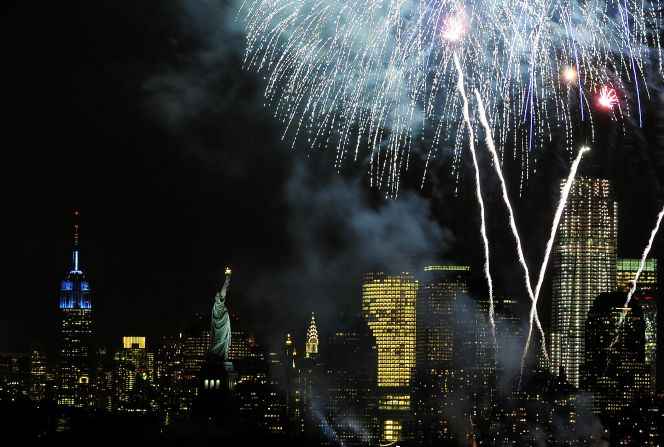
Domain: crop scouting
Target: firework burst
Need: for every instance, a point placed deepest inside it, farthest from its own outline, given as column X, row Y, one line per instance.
column 377, row 77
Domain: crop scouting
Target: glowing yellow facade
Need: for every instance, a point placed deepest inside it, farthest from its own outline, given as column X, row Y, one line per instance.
column 388, row 305
column 133, row 342
column 312, row 338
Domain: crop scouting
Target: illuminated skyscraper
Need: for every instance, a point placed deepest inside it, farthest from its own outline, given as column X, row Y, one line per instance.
column 37, row 374
column 136, row 351
column 584, row 265
column 168, row 375
column 240, row 347
column 646, row 295
column 388, row 305
column 74, row 372
column 194, row 351
column 312, row 339
column 311, row 382
column 133, row 377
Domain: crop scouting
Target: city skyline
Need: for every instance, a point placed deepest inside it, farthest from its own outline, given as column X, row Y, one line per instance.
column 179, row 191
column 150, row 161
column 434, row 361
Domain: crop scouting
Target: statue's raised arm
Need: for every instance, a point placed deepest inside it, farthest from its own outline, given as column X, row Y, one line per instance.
column 221, row 323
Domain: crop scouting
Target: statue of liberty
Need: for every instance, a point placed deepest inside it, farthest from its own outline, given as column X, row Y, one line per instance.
column 221, row 323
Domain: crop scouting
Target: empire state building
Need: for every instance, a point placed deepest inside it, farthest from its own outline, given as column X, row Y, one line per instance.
column 74, row 372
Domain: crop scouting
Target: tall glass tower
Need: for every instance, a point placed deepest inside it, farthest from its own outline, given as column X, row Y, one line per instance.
column 388, row 305
column 584, row 265
column 74, row 372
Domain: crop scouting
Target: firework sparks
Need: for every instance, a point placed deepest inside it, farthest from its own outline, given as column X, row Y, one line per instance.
column 384, row 75
column 570, row 75
column 515, row 232
column 379, row 75
column 607, row 97
column 478, row 192
column 453, row 27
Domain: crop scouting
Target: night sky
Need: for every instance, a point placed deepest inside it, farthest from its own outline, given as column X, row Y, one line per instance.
column 140, row 115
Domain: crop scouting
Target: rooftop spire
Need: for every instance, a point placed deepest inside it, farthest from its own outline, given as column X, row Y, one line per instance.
column 312, row 338
column 75, row 253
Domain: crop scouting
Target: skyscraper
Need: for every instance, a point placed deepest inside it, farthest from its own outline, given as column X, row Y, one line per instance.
column 646, row 295
column 194, row 350
column 168, row 375
column 436, row 371
column 311, row 349
column 350, row 401
column 388, row 305
column 584, row 265
column 240, row 347
column 311, row 382
column 37, row 374
column 74, row 372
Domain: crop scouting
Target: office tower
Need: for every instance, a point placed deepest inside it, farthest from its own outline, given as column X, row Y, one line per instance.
column 123, row 379
column 196, row 344
column 37, row 374
column 137, row 352
column 75, row 374
column 104, row 380
column 436, row 373
column 584, row 265
column 614, row 371
column 388, row 305
column 240, row 347
column 350, row 402
column 132, row 377
column 194, row 351
column 260, row 397
column 168, row 376
column 312, row 339
column 646, row 295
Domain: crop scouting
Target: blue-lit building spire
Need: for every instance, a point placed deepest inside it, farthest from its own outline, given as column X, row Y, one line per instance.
column 74, row 370
column 75, row 289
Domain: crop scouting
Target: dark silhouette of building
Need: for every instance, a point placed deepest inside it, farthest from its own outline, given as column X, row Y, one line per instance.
column 349, row 415
column 436, row 372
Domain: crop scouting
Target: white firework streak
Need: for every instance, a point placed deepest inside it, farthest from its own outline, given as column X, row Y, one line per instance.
column 485, row 239
column 564, row 194
column 636, row 277
column 506, row 199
